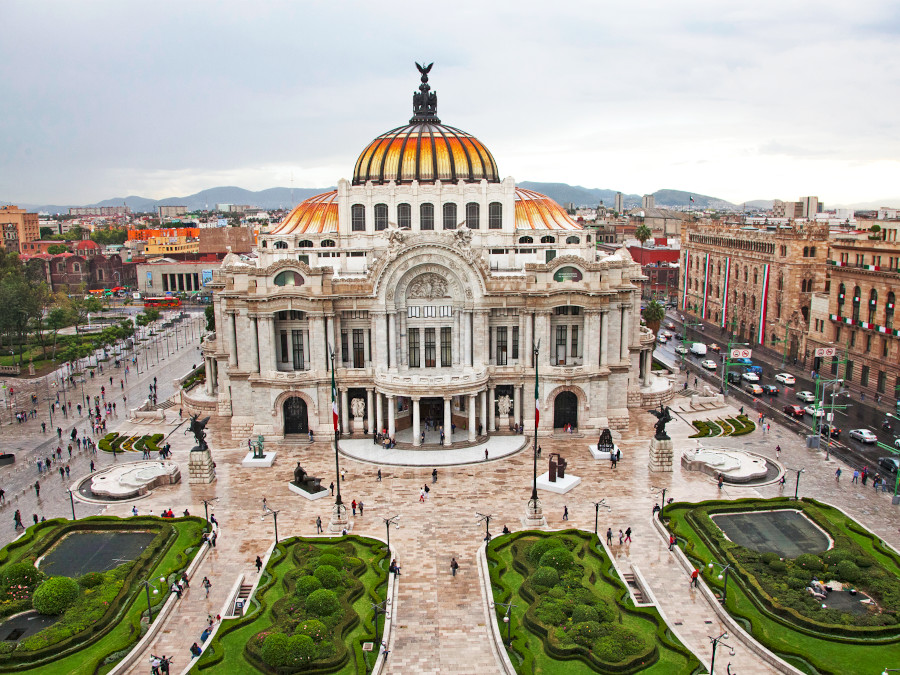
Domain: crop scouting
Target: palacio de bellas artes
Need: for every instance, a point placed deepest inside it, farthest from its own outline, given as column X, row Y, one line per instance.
column 433, row 288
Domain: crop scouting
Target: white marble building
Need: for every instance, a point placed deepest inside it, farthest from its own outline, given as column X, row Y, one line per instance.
column 429, row 279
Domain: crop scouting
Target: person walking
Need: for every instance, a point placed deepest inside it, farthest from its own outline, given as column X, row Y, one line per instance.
column 485, row 455
column 855, row 476
column 332, row 488
column 628, row 536
column 621, row 537
column 695, row 576
column 837, row 474
column 777, row 452
column 37, row 489
column 206, row 584
column 92, row 466
column 671, row 541
column 360, row 505
column 176, row 589
column 609, row 536
column 258, row 564
column 421, row 495
column 453, row 566
column 565, row 512
column 379, row 476
column 353, row 506
column 17, row 520
column 185, row 582
column 318, row 524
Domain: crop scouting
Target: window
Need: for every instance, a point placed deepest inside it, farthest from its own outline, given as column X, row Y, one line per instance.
column 381, row 216
column 281, row 244
column 837, row 333
column 414, row 348
column 288, row 279
column 885, row 347
column 856, row 301
column 404, row 216
column 430, row 348
column 449, row 216
column 873, row 304
column 357, row 218
column 297, row 344
column 853, row 339
column 755, row 276
column 526, row 240
column 574, row 341
column 864, row 376
column 495, row 216
column 842, row 292
column 868, row 343
column 812, row 252
column 806, row 251
column 573, row 240
column 345, row 348
column 446, row 347
column 426, row 216
column 561, row 335
column 548, row 240
column 359, row 350
column 882, row 381
column 473, row 215
column 285, row 354
column 306, row 243
column 501, row 345
column 515, row 342
column 327, row 243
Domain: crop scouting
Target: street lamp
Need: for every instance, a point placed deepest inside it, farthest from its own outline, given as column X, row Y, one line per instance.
column 274, row 514
column 797, row 486
column 597, row 506
column 715, row 643
column 206, row 503
column 506, row 617
column 379, row 608
column 339, row 511
column 147, row 586
column 387, row 525
column 72, row 499
column 534, row 510
column 487, row 523
column 654, row 490
column 723, row 576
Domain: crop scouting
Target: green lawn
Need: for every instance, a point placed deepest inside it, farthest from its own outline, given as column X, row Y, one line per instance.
column 529, row 652
column 125, row 630
column 815, row 652
column 228, row 646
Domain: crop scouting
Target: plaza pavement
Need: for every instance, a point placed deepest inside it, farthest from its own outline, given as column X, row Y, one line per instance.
column 439, row 621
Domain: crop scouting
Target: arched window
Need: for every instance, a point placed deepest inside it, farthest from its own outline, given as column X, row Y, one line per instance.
column 526, row 240
column 357, row 218
column 573, row 240
column 873, row 305
column 755, row 276
column 473, row 215
column 719, row 269
column 856, row 301
column 381, row 217
column 548, row 239
column 812, row 252
column 781, row 281
column 889, row 311
column 805, row 312
column 306, row 243
column 265, row 244
column 806, row 251
column 495, row 216
column 774, row 339
column 753, row 302
column 744, row 300
column 449, row 216
column 404, row 216
column 281, row 244
column 745, row 273
column 327, row 243
column 288, row 278
column 426, row 216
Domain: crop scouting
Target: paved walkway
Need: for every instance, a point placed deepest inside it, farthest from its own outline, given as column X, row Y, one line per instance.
column 498, row 447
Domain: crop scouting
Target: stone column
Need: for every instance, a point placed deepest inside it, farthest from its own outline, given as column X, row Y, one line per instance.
column 615, row 335
column 591, row 339
column 623, row 345
column 483, row 397
column 480, row 355
column 604, row 337
column 472, row 418
column 527, row 340
column 339, row 356
column 331, row 344
column 517, row 405
column 492, row 408
column 542, row 333
column 455, row 341
column 467, row 338
column 215, row 369
column 416, row 428
column 370, row 411
column 272, row 359
column 392, row 415
column 379, row 340
column 379, row 414
column 316, row 338
column 404, row 351
column 648, row 366
column 232, row 339
column 448, row 427
column 392, row 340
column 254, row 344
column 345, row 413
column 210, row 377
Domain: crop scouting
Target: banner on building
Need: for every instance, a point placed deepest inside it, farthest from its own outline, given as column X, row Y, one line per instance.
column 763, row 304
column 205, row 276
column 725, row 292
column 684, row 285
column 705, row 286
column 149, row 278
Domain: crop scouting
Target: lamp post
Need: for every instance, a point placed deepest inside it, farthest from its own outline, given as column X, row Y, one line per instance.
column 387, row 525
column 274, row 514
column 506, row 617
column 534, row 513
column 147, row 586
column 597, row 506
column 72, row 499
column 487, row 523
column 715, row 643
column 723, row 576
column 339, row 511
column 379, row 608
column 662, row 506
column 207, row 502
column 797, row 486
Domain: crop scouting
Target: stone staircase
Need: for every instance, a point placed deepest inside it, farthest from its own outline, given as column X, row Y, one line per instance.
column 636, row 591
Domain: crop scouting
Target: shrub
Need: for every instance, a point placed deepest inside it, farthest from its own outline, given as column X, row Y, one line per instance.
column 796, row 583
column 586, row 632
column 583, row 613
column 836, row 555
column 848, row 571
column 302, row 647
column 276, row 650
column 545, row 576
column 328, row 575
column 90, row 580
column 550, row 612
column 329, row 559
column 21, row 574
column 560, row 559
column 769, row 557
column 537, row 550
column 322, row 602
column 778, row 566
column 556, row 592
column 312, row 628
column 605, row 612
column 306, row 585
column 809, row 561
column 55, row 595
column 617, row 643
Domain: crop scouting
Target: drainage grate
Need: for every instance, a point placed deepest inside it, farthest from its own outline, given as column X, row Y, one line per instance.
column 14, row 635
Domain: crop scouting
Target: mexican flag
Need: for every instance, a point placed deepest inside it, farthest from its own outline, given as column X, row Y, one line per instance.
column 334, row 403
column 537, row 399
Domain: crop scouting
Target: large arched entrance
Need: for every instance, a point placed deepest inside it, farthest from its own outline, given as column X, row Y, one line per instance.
column 565, row 410
column 296, row 418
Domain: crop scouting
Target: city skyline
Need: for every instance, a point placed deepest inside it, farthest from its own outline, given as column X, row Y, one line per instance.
column 108, row 100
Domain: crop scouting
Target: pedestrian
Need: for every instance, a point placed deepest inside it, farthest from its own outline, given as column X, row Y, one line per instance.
column 671, row 541
column 34, row 517
column 353, row 506
column 258, row 564
column 421, row 496
column 343, row 474
column 17, row 520
column 695, row 578
column 379, row 475
column 176, row 589
column 92, row 466
column 134, row 510
column 185, row 582
column 721, row 481
column 394, row 568
column 855, row 476
column 837, row 474
column 427, row 490
column 213, row 537
column 485, row 455
column 43, row 427
column 332, row 489
column 609, row 536
column 453, row 566
column 195, row 650
column 67, row 470
column 628, row 536
column 318, row 524
column 565, row 512
column 360, row 508
column 621, row 537
column 212, row 519
column 37, row 489
column 205, row 583
column 777, row 452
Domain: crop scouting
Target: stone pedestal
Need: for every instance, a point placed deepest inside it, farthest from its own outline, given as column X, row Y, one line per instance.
column 268, row 459
column 560, row 486
column 661, row 455
column 359, row 425
column 339, row 521
column 200, row 467
column 534, row 515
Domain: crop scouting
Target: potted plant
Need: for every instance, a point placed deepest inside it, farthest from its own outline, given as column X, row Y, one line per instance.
column 653, row 315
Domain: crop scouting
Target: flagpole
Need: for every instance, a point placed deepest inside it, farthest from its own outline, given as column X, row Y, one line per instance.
column 339, row 511
column 534, row 515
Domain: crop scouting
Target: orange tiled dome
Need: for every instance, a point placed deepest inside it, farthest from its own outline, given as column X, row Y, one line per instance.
column 538, row 212
column 318, row 214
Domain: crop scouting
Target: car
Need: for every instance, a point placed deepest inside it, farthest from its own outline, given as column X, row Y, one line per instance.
column 807, row 396
column 863, row 436
column 785, row 378
column 750, row 377
column 897, row 443
column 662, row 339
column 667, row 334
column 754, row 389
column 681, row 349
column 830, row 430
column 770, row 389
column 889, row 464
column 670, row 326
column 740, row 361
column 709, row 364
column 814, row 411
column 698, row 349
column 793, row 410
column 733, row 377
column 714, row 347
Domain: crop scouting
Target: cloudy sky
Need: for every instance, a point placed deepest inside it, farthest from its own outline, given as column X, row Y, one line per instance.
column 753, row 100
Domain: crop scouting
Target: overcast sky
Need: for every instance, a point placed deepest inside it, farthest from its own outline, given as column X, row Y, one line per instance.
column 749, row 100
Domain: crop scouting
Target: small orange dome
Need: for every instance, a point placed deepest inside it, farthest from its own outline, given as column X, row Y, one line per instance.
column 86, row 245
column 538, row 212
column 318, row 215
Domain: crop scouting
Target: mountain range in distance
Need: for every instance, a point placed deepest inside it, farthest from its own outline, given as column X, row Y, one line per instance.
column 561, row 193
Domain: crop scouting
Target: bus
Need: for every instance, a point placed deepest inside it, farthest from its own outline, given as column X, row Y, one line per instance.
column 162, row 302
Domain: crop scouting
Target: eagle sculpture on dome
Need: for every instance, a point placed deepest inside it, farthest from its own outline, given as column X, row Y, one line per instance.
column 424, row 70
column 424, row 100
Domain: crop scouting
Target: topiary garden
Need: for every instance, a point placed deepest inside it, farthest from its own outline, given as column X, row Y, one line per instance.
column 573, row 614
column 115, row 443
column 311, row 613
column 774, row 595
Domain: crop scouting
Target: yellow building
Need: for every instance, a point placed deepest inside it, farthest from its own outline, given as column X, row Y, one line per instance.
column 167, row 245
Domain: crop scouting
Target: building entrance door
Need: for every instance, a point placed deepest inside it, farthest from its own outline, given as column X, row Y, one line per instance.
column 431, row 413
column 296, row 418
column 565, row 410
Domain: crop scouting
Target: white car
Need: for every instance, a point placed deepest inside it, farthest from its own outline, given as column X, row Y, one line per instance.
column 681, row 349
column 754, row 389
column 670, row 326
column 750, row 377
column 816, row 412
column 785, row 378
column 807, row 396
column 863, row 435
column 897, row 443
column 662, row 339
column 667, row 334
column 709, row 364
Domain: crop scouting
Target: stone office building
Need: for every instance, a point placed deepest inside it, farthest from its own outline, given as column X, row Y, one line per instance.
column 424, row 282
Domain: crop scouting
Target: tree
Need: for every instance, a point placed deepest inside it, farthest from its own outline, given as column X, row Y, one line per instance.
column 46, row 232
column 642, row 234
column 58, row 318
column 653, row 315
column 210, row 318
column 82, row 305
column 56, row 249
column 110, row 236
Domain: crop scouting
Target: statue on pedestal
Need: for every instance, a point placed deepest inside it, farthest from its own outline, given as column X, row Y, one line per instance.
column 663, row 417
column 198, row 428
